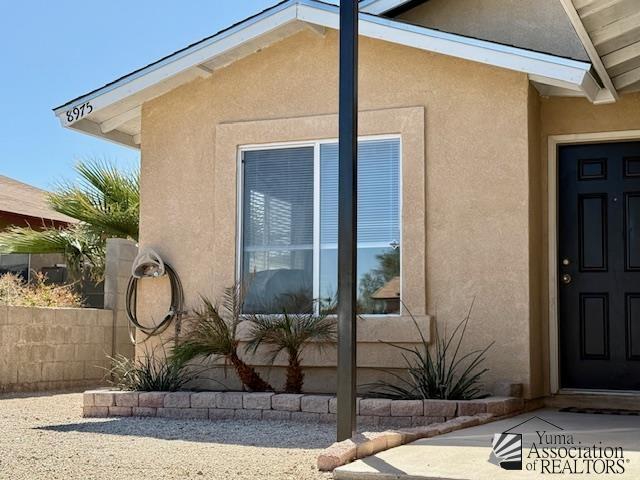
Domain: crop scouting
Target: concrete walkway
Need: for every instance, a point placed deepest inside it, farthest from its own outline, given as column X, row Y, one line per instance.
column 467, row 454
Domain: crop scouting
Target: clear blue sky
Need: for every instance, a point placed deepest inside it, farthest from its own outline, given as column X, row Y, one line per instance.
column 54, row 51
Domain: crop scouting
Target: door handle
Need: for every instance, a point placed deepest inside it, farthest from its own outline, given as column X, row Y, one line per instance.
column 566, row 278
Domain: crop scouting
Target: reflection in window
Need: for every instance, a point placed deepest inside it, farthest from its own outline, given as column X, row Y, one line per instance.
column 378, row 226
column 278, row 227
column 279, row 234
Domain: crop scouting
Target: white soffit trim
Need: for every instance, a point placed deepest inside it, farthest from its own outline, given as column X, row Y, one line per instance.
column 610, row 94
column 378, row 7
column 113, row 111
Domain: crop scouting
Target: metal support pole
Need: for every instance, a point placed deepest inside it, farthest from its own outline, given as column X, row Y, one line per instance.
column 347, row 222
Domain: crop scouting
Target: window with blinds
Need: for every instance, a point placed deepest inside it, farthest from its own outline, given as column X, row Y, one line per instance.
column 286, row 260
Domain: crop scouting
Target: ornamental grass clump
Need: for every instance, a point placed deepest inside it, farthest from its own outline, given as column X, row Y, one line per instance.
column 211, row 332
column 291, row 333
column 440, row 371
column 150, row 373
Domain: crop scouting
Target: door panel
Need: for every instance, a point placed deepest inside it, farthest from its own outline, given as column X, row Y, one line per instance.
column 599, row 266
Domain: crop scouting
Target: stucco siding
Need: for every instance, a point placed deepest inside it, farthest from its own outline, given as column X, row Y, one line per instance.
column 540, row 25
column 476, row 188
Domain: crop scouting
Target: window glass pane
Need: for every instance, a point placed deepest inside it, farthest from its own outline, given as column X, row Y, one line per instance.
column 378, row 226
column 16, row 263
column 277, row 228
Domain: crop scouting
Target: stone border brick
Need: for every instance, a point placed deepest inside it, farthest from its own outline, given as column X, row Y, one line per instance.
column 440, row 408
column 126, row 399
column 204, row 399
column 315, row 403
column 221, row 413
column 257, row 401
column 151, row 399
column 407, row 408
column 143, row 412
column 103, row 399
column 242, row 414
column 95, row 412
column 120, row 411
column 276, row 415
column 229, row 400
column 177, row 400
column 289, row 402
column 378, row 407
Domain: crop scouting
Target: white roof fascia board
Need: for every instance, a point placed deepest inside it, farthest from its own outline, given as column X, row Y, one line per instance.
column 378, row 7
column 588, row 45
column 184, row 60
column 512, row 58
column 185, row 65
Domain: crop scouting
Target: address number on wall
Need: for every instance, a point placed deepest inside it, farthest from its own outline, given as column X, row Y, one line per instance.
column 79, row 112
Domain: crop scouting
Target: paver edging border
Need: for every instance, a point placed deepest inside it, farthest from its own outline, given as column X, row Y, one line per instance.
column 376, row 412
column 370, row 443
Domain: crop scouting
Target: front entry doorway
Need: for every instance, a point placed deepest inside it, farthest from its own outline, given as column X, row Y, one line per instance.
column 599, row 266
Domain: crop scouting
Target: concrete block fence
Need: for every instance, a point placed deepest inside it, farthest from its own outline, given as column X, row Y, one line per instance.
column 374, row 412
column 53, row 348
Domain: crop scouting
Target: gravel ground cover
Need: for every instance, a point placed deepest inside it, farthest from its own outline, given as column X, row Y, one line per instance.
column 44, row 437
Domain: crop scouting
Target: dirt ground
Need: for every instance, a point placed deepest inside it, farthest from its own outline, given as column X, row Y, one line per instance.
column 43, row 436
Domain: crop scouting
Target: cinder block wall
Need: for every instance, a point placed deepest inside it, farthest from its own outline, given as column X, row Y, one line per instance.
column 120, row 256
column 53, row 348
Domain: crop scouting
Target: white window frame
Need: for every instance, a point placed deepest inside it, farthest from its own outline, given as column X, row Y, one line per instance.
column 316, row 203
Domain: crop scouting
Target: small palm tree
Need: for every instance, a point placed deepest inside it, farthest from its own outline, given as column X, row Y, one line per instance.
column 106, row 204
column 290, row 333
column 212, row 333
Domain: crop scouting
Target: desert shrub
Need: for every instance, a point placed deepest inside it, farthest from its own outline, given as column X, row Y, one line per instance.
column 441, row 371
column 150, row 373
column 211, row 333
column 15, row 291
column 291, row 333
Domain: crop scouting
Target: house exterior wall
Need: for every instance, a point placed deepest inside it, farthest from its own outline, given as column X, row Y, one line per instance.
column 475, row 225
column 540, row 25
column 566, row 116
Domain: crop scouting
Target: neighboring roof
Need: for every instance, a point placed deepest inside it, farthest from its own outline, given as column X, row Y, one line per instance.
column 21, row 199
column 113, row 112
column 389, row 291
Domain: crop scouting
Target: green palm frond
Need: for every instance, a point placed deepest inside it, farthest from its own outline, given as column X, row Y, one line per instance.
column 81, row 246
column 289, row 332
column 209, row 335
column 106, row 199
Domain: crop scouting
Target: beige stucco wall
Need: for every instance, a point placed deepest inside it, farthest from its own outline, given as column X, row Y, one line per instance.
column 53, row 348
column 476, row 234
column 567, row 116
column 539, row 25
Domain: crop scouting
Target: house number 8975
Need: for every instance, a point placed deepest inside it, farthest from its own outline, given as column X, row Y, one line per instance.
column 76, row 113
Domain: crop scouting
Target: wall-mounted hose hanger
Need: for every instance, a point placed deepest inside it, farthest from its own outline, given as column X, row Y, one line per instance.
column 149, row 265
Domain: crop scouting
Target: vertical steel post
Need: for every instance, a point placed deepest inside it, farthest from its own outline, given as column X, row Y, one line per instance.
column 347, row 222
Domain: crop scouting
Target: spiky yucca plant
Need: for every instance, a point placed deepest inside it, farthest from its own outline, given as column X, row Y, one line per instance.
column 149, row 373
column 438, row 372
column 211, row 332
column 290, row 333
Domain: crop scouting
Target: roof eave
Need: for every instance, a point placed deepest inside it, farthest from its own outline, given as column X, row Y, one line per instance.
column 125, row 96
